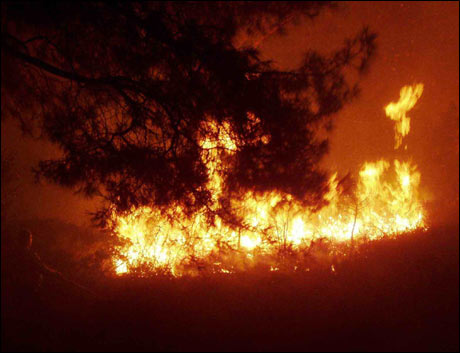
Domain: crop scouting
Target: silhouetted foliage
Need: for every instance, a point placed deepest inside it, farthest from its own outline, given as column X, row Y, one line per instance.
column 127, row 90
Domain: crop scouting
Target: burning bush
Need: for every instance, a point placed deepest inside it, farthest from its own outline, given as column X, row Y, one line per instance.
column 274, row 229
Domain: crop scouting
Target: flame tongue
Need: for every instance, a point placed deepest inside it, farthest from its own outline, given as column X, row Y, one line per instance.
column 385, row 202
column 408, row 96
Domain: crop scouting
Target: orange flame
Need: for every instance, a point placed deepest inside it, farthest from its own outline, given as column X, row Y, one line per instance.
column 385, row 202
column 408, row 96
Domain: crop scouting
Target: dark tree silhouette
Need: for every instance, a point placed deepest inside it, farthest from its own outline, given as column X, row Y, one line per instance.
column 127, row 90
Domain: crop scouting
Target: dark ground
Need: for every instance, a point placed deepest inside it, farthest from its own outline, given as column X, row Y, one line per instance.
column 395, row 295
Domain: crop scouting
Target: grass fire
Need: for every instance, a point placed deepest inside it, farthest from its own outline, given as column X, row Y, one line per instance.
column 385, row 202
column 230, row 176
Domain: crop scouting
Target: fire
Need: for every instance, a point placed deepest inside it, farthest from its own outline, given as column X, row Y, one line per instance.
column 408, row 96
column 385, row 201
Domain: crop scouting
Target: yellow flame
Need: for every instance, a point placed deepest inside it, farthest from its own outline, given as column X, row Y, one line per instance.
column 408, row 96
column 385, row 202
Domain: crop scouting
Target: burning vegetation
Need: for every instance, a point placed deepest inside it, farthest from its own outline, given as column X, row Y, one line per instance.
column 202, row 158
column 273, row 226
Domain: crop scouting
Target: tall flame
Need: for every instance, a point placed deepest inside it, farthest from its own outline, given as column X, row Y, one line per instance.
column 408, row 96
column 385, row 201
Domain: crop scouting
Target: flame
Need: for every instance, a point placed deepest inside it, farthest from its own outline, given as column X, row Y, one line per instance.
column 385, row 202
column 408, row 96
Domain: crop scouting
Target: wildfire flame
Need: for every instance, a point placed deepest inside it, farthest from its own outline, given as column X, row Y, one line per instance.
column 385, row 201
column 408, row 96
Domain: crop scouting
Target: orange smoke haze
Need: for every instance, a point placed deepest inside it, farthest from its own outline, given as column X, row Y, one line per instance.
column 418, row 42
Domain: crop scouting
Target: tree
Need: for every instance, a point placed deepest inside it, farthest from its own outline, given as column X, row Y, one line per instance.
column 128, row 91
